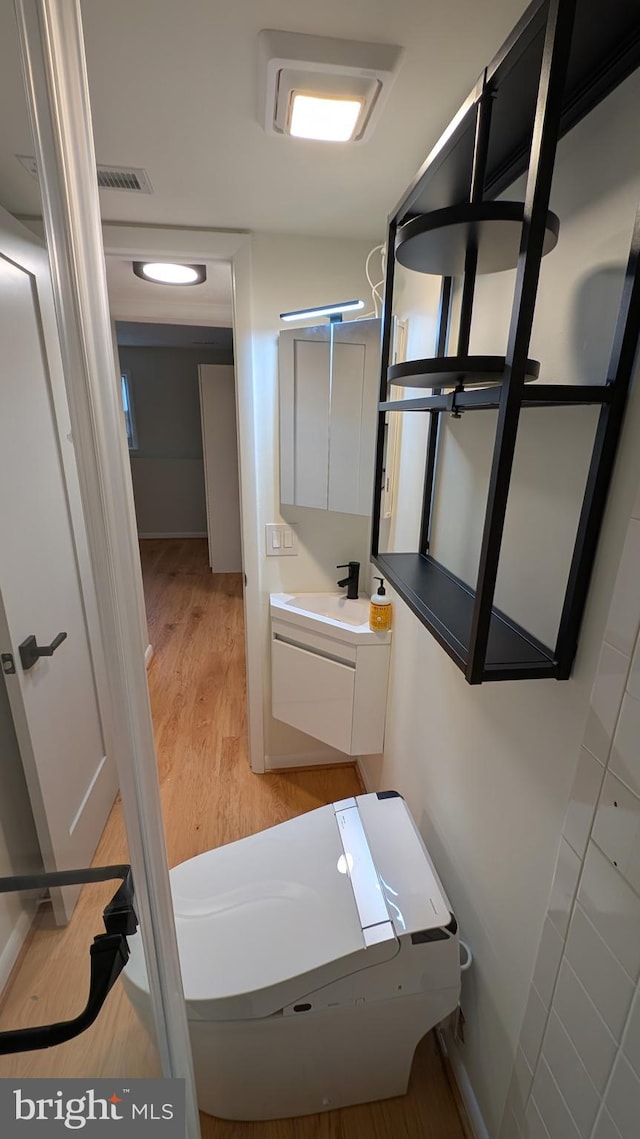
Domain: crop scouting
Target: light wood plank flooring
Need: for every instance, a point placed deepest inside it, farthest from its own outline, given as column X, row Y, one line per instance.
column 209, row 796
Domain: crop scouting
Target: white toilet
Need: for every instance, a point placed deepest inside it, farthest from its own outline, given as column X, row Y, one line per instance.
column 315, row 955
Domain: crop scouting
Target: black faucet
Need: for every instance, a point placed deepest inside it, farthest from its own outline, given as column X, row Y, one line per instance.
column 351, row 581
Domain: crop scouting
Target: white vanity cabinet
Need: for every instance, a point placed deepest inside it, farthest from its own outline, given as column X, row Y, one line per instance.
column 327, row 680
column 329, row 378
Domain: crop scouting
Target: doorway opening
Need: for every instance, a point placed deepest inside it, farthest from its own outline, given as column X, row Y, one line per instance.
column 178, row 395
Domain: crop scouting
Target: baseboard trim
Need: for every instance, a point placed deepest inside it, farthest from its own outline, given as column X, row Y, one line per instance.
column 148, row 655
column 307, row 759
column 174, row 534
column 366, row 781
column 13, row 948
column 468, row 1106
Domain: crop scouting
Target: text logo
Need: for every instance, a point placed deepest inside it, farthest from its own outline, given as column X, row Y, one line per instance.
column 133, row 1110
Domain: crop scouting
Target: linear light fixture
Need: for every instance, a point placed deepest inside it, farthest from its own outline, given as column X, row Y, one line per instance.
column 334, row 312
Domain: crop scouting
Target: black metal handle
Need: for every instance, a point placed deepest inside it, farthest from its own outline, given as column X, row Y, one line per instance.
column 31, row 651
column 109, row 953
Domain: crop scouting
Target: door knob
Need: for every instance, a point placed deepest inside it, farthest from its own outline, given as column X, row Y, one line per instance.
column 30, row 650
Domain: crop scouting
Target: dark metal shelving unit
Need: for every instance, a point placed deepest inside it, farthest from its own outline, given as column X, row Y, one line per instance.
column 562, row 59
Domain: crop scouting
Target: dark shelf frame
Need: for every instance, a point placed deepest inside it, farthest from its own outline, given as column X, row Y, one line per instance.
column 563, row 57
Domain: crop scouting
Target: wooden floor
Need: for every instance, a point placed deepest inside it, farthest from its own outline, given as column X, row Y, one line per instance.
column 209, row 796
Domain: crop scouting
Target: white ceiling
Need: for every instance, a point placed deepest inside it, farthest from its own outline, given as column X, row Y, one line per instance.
column 132, row 298
column 173, row 89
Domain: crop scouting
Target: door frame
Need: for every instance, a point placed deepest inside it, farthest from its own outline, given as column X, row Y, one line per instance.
column 54, row 72
column 145, row 243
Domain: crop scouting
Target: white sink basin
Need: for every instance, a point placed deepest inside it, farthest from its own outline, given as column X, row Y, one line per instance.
column 330, row 613
column 333, row 605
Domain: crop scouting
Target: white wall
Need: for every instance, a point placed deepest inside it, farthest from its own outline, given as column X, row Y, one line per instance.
column 167, row 468
column 290, row 273
column 19, row 849
column 488, row 770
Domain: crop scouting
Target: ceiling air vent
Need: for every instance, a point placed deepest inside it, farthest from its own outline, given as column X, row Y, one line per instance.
column 109, row 177
column 124, row 178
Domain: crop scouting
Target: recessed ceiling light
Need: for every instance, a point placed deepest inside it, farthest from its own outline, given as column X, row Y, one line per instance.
column 337, row 79
column 319, row 117
column 169, row 273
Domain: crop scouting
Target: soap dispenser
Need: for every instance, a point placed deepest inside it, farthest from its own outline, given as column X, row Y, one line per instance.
column 380, row 609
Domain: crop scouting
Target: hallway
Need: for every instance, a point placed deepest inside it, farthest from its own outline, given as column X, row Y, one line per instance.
column 209, row 797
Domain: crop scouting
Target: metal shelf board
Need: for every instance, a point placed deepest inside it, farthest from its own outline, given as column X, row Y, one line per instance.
column 439, row 242
column 449, row 371
column 483, row 399
column 445, row 604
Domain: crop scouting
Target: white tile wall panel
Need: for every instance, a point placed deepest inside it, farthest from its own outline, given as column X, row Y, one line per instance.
column 563, row 890
column 616, row 829
column 625, row 754
column 605, row 1128
column 553, row 1110
column 606, row 698
column 631, row 1042
column 607, row 983
column 612, row 907
column 535, row 1018
column 584, row 796
column 591, row 1032
column 510, row 1128
column 570, row 1074
column 520, row 1086
column 623, row 1099
column 592, row 1039
column 533, row 1127
column 624, row 612
column 548, row 961
column 633, row 682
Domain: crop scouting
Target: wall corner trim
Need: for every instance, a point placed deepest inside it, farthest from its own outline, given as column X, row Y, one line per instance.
column 452, row 1057
column 367, row 782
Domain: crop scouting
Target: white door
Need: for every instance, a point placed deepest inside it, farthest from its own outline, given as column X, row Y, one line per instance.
column 72, row 783
column 220, row 452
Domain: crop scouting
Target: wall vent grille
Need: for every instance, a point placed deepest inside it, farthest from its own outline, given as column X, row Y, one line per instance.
column 124, row 178
column 129, row 178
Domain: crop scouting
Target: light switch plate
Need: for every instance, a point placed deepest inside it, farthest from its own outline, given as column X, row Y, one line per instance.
column 281, row 540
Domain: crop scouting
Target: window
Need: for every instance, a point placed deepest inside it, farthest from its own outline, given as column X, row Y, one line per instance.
column 127, row 407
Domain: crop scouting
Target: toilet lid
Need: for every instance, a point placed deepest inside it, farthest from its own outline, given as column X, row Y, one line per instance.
column 263, row 921
column 255, row 913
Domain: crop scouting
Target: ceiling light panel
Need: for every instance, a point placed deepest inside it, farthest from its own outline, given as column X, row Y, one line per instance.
column 329, row 120
column 170, row 273
column 329, row 71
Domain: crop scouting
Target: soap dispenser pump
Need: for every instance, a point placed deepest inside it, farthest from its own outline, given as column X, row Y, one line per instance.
column 380, row 609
